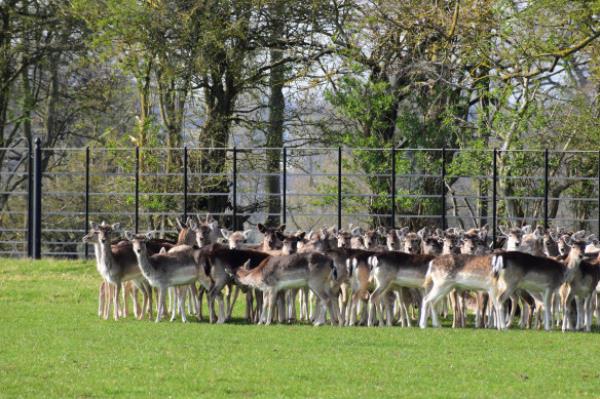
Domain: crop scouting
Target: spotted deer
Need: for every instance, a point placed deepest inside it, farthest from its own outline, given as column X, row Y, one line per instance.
column 539, row 276
column 277, row 273
column 117, row 263
column 448, row 272
column 222, row 264
column 581, row 279
column 397, row 269
column 168, row 269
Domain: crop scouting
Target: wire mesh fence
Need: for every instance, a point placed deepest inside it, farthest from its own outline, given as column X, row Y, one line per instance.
column 305, row 188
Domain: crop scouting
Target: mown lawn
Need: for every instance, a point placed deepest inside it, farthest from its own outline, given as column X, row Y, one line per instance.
column 52, row 344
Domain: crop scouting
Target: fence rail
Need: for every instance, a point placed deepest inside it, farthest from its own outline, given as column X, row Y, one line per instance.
column 62, row 189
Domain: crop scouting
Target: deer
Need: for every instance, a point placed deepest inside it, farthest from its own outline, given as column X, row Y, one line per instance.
column 448, row 272
column 271, row 243
column 187, row 236
column 361, row 283
column 370, row 239
column 472, row 242
column 539, row 276
column 580, row 284
column 347, row 280
column 394, row 239
column 222, row 264
column 236, row 239
column 277, row 273
column 206, row 230
column 168, row 269
column 116, row 263
column 395, row 269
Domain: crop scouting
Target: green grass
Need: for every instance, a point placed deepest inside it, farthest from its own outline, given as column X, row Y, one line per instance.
column 52, row 344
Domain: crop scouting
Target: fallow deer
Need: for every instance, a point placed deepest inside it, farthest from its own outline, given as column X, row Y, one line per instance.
column 169, row 269
column 396, row 269
column 540, row 276
column 276, row 273
column 117, row 263
column 448, row 272
column 580, row 284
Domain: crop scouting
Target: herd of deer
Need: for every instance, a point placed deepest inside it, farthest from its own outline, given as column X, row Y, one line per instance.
column 376, row 277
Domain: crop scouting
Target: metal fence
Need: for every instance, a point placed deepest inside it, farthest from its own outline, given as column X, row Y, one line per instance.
column 58, row 191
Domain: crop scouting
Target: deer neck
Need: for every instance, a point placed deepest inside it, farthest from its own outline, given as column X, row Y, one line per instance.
column 246, row 277
column 106, row 259
column 144, row 261
column 97, row 254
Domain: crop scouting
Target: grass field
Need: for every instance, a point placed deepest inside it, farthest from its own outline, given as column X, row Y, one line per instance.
column 52, row 344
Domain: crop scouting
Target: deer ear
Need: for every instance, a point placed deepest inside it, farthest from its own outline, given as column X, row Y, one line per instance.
column 247, row 233
column 381, row 230
column 301, row 236
column 334, row 230
column 246, row 265
column 103, row 223
column 128, row 235
column 116, row 226
column 280, row 236
column 226, row 233
column 282, row 228
column 150, row 235
column 163, row 250
column 356, row 231
column 526, row 229
column 261, row 228
column 178, row 223
column 94, row 225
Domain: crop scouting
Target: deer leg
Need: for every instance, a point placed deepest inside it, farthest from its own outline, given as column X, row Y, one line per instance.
column 125, row 288
column 174, row 294
column 375, row 306
column 579, row 308
column 436, row 293
column 101, row 298
column 271, row 301
column 236, row 293
column 547, row 314
column 160, row 307
column 183, row 291
column 116, row 301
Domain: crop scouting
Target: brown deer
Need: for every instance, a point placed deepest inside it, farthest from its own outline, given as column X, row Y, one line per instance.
column 395, row 269
column 117, row 263
column 276, row 273
column 580, row 284
column 168, row 269
column 539, row 276
column 448, row 272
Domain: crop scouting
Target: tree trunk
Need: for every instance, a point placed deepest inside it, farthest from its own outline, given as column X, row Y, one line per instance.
column 274, row 134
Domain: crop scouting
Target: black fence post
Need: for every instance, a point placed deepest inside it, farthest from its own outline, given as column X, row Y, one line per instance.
column 30, row 200
column 37, row 200
column 393, row 187
column 185, row 183
column 598, row 193
column 234, row 194
column 443, row 198
column 137, row 188
column 87, row 197
column 494, row 196
column 546, row 188
column 284, row 186
column 339, row 189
